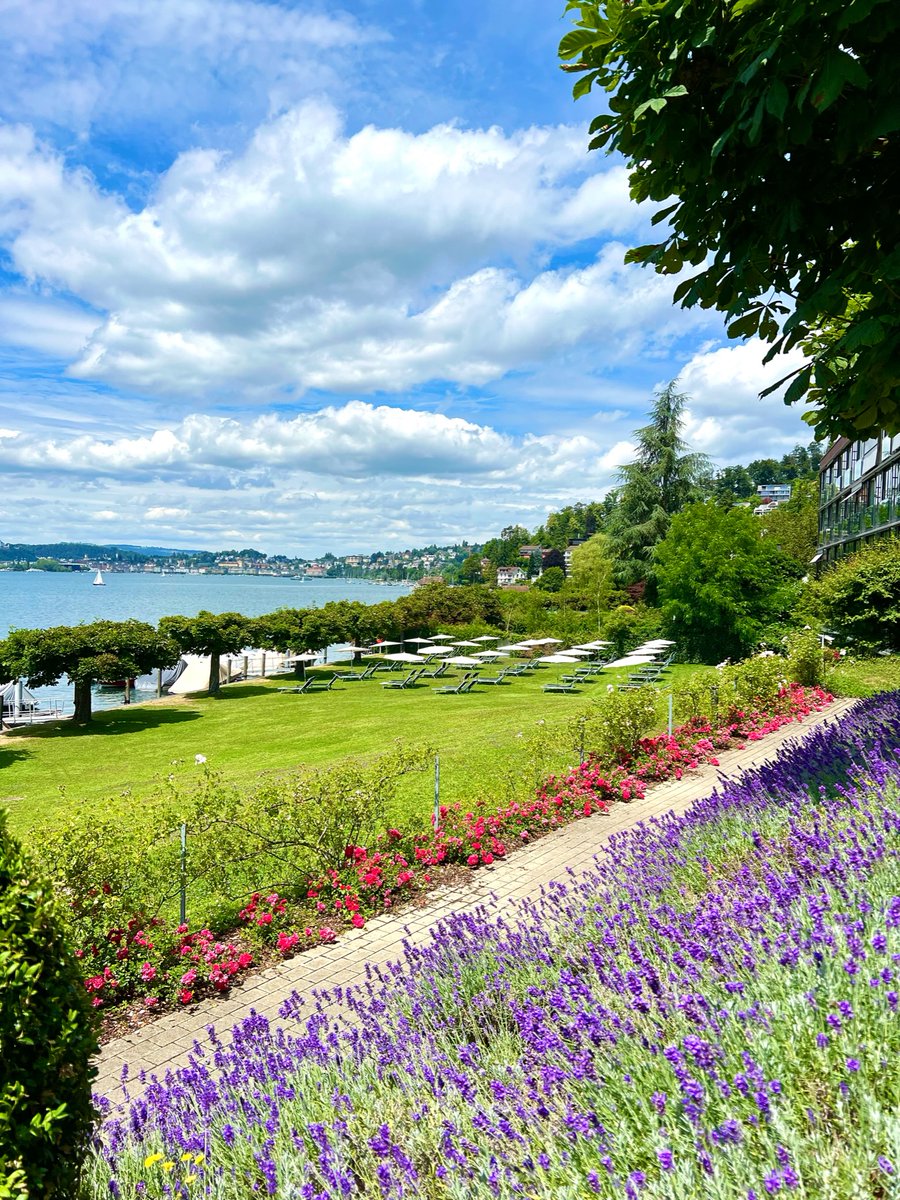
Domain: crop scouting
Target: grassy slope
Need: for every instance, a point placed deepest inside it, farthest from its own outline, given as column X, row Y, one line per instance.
column 127, row 753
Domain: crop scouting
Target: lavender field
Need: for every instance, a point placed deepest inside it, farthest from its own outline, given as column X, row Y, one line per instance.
column 713, row 1012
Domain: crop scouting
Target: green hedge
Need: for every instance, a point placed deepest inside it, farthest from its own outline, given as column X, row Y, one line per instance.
column 47, row 1039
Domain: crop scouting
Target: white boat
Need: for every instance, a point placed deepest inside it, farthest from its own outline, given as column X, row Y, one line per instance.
column 98, row 580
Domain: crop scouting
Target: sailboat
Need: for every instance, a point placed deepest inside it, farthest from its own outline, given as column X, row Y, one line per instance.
column 98, row 580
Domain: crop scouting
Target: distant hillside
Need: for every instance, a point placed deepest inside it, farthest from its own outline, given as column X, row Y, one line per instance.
column 25, row 552
column 157, row 551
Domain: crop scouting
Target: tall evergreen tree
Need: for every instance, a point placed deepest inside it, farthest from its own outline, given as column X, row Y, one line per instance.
column 664, row 477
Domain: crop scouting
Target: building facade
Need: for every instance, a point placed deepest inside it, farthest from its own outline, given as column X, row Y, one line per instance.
column 859, row 494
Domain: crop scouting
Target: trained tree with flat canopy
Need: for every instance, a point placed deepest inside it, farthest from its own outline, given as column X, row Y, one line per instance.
column 209, row 633
column 86, row 654
column 770, row 132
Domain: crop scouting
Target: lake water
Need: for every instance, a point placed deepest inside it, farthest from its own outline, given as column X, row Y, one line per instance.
column 38, row 599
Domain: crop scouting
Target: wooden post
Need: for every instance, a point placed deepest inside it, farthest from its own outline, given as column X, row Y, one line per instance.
column 262, row 668
column 158, row 682
column 246, row 667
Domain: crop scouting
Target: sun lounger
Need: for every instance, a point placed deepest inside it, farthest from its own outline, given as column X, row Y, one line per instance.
column 443, row 669
column 313, row 684
column 459, row 689
column 501, row 678
column 355, row 676
column 559, row 687
column 408, row 682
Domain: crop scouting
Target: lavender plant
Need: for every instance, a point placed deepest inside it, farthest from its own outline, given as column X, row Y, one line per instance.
column 711, row 1012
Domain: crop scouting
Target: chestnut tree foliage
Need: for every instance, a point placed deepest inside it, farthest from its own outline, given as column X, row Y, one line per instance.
column 769, row 132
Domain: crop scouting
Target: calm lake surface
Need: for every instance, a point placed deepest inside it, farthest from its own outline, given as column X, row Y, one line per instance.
column 38, row 599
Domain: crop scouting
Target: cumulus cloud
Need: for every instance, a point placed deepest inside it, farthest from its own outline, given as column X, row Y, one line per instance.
column 726, row 418
column 347, row 477
column 314, row 259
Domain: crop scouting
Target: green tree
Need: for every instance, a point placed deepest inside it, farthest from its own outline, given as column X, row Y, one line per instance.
column 768, row 129
column 721, row 582
column 504, row 550
column 470, row 571
column 764, row 470
column 733, row 483
column 663, row 478
column 85, row 654
column 551, row 580
column 209, row 633
column 794, row 525
column 859, row 596
column 591, row 573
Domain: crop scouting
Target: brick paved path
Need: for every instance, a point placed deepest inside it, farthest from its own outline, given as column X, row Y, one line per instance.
column 165, row 1043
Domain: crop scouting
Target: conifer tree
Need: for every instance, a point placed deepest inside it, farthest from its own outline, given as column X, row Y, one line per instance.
column 664, row 477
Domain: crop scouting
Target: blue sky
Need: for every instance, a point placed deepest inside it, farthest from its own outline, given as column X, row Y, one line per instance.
column 309, row 279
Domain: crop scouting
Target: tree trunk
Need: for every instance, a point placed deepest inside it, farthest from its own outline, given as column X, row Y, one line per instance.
column 82, row 714
column 214, row 674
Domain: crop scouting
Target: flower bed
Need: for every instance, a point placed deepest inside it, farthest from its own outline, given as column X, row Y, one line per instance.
column 149, row 964
column 713, row 1011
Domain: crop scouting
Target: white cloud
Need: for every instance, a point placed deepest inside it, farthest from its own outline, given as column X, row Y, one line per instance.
column 165, row 514
column 52, row 328
column 312, row 259
column 350, row 477
column 71, row 62
column 726, row 418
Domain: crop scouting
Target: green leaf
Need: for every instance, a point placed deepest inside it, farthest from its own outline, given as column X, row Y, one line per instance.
column 577, row 41
column 777, row 99
column 839, row 69
column 584, row 85
column 662, row 213
column 745, row 326
column 657, row 104
column 799, row 387
column 868, row 332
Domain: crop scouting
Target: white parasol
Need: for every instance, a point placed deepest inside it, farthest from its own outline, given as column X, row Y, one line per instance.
column 632, row 660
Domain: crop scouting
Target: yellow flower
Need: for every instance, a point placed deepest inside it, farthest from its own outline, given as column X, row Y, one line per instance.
column 189, row 1179
column 187, row 1156
column 168, row 1166
column 151, row 1159
column 199, row 1158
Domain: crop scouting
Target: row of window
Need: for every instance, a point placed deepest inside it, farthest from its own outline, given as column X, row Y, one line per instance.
column 854, row 462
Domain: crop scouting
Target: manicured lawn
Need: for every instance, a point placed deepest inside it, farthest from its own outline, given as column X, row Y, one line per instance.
column 866, row 676
column 128, row 753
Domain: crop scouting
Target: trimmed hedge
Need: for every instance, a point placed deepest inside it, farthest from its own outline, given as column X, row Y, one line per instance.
column 47, row 1039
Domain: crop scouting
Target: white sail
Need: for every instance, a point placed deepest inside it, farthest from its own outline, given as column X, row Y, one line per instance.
column 98, row 580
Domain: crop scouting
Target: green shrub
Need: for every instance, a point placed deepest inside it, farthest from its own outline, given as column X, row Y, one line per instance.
column 806, row 660
column 617, row 720
column 47, row 1038
column 752, row 683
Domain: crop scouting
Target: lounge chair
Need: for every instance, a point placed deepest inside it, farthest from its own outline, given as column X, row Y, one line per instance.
column 559, row 687
column 501, row 678
column 581, row 677
column 459, row 689
column 355, row 676
column 409, row 681
column 314, row 684
column 440, row 671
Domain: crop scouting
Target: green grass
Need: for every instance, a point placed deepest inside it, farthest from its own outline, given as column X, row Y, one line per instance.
column 126, row 754
column 865, row 676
